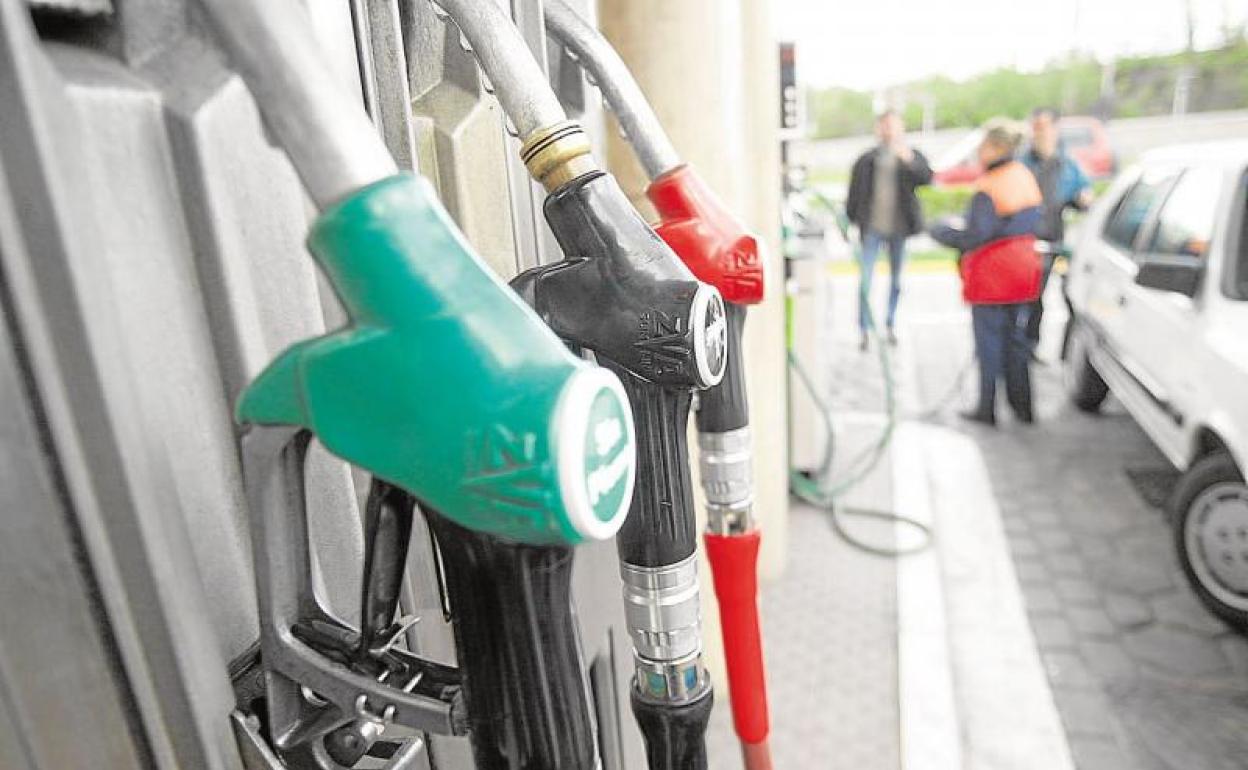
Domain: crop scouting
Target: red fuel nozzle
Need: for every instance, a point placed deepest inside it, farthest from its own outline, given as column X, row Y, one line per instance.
column 719, row 250
column 709, row 239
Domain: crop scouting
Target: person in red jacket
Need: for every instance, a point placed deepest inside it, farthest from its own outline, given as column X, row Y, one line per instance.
column 1000, row 269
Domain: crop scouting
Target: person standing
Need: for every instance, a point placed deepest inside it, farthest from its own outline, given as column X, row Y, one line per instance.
column 883, row 204
column 1063, row 185
column 1000, row 269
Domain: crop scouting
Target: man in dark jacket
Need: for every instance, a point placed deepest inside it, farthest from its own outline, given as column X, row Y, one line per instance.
column 1064, row 186
column 883, row 205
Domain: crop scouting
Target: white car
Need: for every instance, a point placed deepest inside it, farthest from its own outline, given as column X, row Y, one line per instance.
column 1158, row 283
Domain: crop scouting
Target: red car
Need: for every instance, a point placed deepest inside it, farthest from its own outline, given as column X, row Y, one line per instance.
column 1084, row 138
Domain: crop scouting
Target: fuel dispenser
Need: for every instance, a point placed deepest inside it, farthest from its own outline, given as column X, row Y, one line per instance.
column 444, row 390
column 622, row 294
column 515, row 451
column 719, row 250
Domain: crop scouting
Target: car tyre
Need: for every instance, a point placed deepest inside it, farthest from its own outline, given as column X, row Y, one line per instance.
column 1209, row 508
column 1084, row 386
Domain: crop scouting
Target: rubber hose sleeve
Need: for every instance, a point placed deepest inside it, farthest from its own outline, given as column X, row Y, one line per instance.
column 734, row 569
column 519, row 650
column 675, row 733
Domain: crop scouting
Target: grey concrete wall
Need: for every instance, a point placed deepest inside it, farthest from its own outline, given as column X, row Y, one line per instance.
column 155, row 259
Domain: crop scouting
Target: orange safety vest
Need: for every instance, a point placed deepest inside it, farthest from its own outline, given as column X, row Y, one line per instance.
column 1011, row 187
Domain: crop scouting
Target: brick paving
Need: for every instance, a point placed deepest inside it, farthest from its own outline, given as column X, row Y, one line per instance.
column 1143, row 677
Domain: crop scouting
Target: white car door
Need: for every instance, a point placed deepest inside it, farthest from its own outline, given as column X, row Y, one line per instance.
column 1109, row 270
column 1225, row 318
column 1168, row 355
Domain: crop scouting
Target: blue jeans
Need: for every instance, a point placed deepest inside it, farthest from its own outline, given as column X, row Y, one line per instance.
column 1004, row 352
column 871, row 244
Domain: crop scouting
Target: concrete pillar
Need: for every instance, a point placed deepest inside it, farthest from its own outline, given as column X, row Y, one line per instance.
column 709, row 68
column 764, row 344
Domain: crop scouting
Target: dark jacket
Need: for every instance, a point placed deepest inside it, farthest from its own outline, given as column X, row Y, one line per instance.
column 1061, row 181
column 862, row 186
column 1007, row 202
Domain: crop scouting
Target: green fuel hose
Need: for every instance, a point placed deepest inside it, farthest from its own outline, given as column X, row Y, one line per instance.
column 821, row 491
column 818, row 488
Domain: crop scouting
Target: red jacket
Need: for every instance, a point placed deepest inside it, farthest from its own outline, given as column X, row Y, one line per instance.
column 1006, row 269
column 1003, row 272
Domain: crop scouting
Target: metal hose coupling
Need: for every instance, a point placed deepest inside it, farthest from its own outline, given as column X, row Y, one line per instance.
column 557, row 154
column 727, row 478
column 664, row 617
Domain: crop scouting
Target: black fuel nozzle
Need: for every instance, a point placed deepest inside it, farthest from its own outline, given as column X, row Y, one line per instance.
column 624, row 295
column 720, row 250
column 622, row 292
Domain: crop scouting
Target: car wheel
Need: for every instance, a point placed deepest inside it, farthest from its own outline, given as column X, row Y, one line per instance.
column 1210, row 512
column 1084, row 386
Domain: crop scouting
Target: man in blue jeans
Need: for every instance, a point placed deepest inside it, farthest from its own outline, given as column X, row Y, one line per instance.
column 1064, row 186
column 883, row 204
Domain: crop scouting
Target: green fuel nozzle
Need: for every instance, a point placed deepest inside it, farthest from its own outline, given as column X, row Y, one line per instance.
column 445, row 384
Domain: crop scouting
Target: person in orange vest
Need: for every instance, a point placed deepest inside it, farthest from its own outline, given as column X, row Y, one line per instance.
column 1000, row 269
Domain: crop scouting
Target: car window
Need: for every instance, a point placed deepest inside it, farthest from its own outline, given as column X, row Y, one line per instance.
column 1185, row 223
column 1239, row 267
column 1132, row 210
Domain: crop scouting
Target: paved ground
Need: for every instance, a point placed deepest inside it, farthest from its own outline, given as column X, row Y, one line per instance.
column 830, row 626
column 1142, row 675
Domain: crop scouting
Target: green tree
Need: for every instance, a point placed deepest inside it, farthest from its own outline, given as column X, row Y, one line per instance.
column 1143, row 85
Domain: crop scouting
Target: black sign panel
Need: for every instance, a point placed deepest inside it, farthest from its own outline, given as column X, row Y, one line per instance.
column 790, row 107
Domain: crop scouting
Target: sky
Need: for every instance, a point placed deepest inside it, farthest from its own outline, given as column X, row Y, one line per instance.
column 870, row 44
